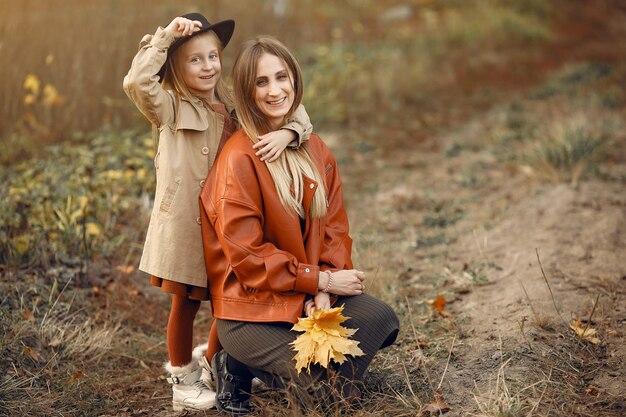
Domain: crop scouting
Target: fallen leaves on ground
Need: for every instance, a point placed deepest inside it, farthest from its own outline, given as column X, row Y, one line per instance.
column 76, row 375
column 27, row 314
column 324, row 339
column 126, row 269
column 435, row 407
column 439, row 304
column 587, row 334
column 32, row 353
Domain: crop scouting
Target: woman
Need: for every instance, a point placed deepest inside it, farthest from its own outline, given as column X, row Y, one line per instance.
column 276, row 242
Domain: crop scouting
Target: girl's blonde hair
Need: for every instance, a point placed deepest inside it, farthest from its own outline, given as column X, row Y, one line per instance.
column 289, row 169
column 172, row 79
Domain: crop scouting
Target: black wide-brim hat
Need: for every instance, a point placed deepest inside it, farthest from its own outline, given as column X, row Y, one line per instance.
column 224, row 31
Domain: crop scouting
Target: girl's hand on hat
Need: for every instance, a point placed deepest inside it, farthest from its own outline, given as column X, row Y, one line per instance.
column 181, row 26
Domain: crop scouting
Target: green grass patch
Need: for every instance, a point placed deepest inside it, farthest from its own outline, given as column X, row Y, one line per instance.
column 76, row 203
column 566, row 152
column 566, row 130
column 442, row 215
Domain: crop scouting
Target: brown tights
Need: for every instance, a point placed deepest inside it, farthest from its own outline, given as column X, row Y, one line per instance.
column 214, row 342
column 180, row 331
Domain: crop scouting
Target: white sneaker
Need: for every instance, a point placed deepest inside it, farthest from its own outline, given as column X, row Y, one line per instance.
column 188, row 390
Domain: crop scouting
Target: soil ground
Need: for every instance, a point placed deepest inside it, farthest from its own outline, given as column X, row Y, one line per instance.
column 487, row 262
column 516, row 258
column 508, row 316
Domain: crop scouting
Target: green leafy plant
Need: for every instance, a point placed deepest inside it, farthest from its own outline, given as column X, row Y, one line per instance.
column 73, row 205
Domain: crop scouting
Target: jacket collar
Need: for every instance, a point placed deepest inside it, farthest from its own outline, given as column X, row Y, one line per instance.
column 197, row 101
column 195, row 119
column 310, row 186
column 194, row 116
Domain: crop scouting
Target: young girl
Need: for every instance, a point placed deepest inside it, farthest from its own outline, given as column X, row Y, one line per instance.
column 175, row 81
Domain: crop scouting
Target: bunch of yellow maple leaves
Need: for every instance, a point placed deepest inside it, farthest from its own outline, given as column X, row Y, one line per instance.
column 324, row 339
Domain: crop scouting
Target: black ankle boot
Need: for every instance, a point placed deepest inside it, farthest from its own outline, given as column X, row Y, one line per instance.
column 233, row 390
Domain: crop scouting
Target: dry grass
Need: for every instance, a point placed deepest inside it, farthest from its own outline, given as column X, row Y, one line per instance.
column 567, row 128
column 548, row 380
column 51, row 350
column 570, row 148
column 499, row 401
column 95, row 346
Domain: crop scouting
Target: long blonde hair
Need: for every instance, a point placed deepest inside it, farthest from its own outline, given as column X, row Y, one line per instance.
column 293, row 164
column 172, row 79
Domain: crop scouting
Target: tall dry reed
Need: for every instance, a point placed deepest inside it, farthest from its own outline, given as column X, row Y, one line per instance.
column 64, row 60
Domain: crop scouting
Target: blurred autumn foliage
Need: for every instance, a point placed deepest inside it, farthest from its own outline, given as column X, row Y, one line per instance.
column 68, row 57
column 363, row 61
column 75, row 204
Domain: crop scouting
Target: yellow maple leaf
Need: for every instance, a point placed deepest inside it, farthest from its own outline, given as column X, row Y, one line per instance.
column 586, row 334
column 323, row 340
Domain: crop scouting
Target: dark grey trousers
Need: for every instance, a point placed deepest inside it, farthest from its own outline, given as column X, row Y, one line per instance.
column 264, row 347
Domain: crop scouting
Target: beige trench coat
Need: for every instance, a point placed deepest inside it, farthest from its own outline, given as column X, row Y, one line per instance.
column 186, row 151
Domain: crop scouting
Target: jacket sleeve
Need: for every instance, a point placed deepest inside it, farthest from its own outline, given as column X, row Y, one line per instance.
column 141, row 84
column 256, row 261
column 337, row 246
column 300, row 123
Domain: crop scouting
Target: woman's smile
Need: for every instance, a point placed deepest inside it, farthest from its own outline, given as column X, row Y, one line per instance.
column 277, row 102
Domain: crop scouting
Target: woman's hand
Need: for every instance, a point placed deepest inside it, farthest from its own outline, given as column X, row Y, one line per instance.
column 181, row 26
column 309, row 305
column 320, row 302
column 272, row 144
column 344, row 282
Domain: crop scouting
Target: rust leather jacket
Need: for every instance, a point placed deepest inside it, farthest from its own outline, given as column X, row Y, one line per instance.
column 261, row 260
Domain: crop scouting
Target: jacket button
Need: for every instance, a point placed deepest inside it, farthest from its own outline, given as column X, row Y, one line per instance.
column 205, row 151
column 198, row 220
column 307, row 270
column 202, row 183
column 312, row 186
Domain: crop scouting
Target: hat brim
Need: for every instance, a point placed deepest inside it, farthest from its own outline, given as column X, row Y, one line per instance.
column 224, row 31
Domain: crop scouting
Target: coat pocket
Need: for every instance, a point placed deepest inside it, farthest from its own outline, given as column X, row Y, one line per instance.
column 168, row 197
